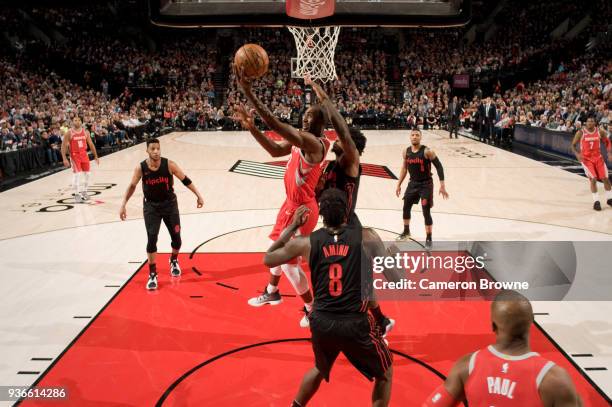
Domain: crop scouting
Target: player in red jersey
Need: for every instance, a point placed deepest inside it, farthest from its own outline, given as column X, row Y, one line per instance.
column 590, row 138
column 307, row 149
column 507, row 373
column 78, row 139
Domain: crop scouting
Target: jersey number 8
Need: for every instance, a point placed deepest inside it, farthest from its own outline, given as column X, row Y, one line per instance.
column 335, row 282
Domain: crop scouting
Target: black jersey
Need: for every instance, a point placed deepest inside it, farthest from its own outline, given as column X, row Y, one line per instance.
column 335, row 177
column 157, row 186
column 335, row 264
column 419, row 166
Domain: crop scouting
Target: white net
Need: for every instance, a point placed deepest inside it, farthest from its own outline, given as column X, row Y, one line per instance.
column 315, row 52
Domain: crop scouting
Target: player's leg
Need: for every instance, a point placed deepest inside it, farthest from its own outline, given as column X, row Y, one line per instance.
column 152, row 223
column 326, row 348
column 365, row 348
column 381, row 394
column 85, row 166
column 309, row 386
column 270, row 294
column 410, row 198
column 172, row 220
column 608, row 189
column 76, row 178
column 426, row 194
column 602, row 173
column 595, row 194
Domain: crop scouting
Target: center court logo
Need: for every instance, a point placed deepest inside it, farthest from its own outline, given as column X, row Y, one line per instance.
column 63, row 200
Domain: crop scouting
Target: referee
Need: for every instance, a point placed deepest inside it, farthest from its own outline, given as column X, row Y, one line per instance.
column 159, row 204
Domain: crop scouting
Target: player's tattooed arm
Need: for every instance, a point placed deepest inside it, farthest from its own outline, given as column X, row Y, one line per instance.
column 575, row 142
column 248, row 123
column 129, row 192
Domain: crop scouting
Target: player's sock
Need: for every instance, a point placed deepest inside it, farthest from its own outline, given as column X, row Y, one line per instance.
column 152, row 269
column 86, row 183
column 271, row 288
column 595, row 197
column 173, row 256
column 406, row 230
column 428, row 237
column 609, row 194
column 308, row 306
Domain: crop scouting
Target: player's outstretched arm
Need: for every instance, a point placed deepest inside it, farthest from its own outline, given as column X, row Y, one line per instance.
column 308, row 143
column 286, row 248
column 575, row 142
column 451, row 393
column 176, row 171
column 129, row 192
column 373, row 247
column 246, row 121
column 431, row 155
column 557, row 389
column 350, row 150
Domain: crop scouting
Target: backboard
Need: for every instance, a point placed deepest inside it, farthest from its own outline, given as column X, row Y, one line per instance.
column 275, row 13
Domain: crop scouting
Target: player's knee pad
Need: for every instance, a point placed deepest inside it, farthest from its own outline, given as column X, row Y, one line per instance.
column 152, row 244
column 297, row 277
column 176, row 241
column 427, row 215
column 407, row 209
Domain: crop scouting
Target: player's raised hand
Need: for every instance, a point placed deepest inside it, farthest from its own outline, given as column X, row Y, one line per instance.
column 318, row 90
column 301, row 215
column 245, row 82
column 122, row 213
column 243, row 116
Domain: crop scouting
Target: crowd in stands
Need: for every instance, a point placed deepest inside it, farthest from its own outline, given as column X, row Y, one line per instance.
column 377, row 86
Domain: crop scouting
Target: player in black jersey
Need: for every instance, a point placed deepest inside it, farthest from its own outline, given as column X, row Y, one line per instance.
column 159, row 203
column 339, row 321
column 344, row 173
column 417, row 161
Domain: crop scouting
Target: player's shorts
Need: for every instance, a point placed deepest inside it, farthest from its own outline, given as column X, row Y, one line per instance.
column 420, row 190
column 80, row 163
column 596, row 168
column 285, row 217
column 356, row 336
column 166, row 211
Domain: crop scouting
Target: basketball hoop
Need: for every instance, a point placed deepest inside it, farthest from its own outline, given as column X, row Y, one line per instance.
column 316, row 47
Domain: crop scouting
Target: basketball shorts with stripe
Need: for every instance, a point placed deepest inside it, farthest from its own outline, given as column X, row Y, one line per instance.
column 356, row 336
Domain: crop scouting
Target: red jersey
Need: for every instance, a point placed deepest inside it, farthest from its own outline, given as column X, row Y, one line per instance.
column 78, row 143
column 590, row 145
column 499, row 380
column 301, row 177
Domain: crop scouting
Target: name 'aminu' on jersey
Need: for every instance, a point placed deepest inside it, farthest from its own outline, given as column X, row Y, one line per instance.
column 335, row 264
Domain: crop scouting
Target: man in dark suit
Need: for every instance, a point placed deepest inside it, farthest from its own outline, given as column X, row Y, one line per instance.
column 486, row 116
column 454, row 112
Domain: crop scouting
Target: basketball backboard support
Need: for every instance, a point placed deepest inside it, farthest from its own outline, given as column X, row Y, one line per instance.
column 275, row 13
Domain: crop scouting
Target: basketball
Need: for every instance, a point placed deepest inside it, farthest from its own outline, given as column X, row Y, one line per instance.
column 253, row 59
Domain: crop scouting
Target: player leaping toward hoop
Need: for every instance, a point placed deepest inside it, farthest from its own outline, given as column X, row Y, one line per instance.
column 307, row 149
column 590, row 139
